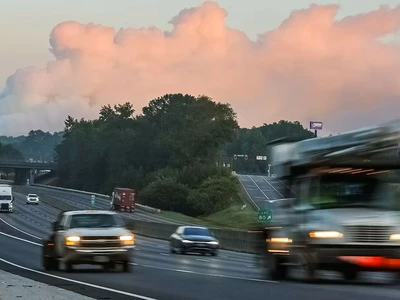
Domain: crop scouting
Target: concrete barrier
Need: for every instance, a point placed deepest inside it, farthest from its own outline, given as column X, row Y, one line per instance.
column 236, row 240
column 101, row 196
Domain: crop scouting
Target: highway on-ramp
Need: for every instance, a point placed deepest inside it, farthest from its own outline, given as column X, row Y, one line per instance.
column 262, row 189
column 158, row 274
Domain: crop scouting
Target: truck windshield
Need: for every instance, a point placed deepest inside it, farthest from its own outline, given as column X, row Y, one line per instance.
column 352, row 191
column 5, row 197
column 96, row 221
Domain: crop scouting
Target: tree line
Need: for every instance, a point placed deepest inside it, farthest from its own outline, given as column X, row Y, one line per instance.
column 177, row 153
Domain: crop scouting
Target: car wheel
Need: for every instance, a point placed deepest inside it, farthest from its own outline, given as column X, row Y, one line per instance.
column 172, row 250
column 214, row 253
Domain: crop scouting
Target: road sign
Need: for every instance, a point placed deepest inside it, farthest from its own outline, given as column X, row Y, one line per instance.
column 93, row 199
column 316, row 125
column 265, row 215
column 261, row 158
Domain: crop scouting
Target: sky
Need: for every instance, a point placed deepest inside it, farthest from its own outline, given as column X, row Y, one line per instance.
column 307, row 67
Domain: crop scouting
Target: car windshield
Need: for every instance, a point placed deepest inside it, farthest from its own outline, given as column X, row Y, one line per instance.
column 96, row 221
column 5, row 197
column 32, row 195
column 352, row 191
column 197, row 231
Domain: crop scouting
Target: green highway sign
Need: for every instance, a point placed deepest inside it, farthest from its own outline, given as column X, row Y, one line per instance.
column 264, row 215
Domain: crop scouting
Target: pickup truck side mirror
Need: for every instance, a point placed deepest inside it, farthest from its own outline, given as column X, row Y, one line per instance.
column 57, row 226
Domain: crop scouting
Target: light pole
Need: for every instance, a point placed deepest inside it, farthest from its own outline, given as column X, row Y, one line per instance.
column 269, row 170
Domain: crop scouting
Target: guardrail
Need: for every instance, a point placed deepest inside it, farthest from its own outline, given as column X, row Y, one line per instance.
column 101, row 196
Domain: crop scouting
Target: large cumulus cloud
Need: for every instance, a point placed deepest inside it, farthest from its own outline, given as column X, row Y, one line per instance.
column 311, row 67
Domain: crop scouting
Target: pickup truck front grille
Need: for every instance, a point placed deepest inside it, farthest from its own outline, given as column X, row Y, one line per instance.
column 100, row 242
column 91, row 238
column 367, row 234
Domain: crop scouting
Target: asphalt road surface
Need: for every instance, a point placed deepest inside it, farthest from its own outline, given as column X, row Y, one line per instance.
column 157, row 274
column 262, row 189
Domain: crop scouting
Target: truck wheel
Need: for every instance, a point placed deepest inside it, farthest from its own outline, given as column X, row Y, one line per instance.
column 278, row 270
column 109, row 266
column 350, row 273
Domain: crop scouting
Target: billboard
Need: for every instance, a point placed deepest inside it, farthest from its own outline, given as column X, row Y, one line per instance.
column 316, row 125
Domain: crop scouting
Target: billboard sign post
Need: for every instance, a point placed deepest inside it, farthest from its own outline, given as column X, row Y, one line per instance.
column 315, row 125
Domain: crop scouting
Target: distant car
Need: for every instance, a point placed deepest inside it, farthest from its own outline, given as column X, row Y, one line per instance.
column 194, row 239
column 88, row 237
column 32, row 199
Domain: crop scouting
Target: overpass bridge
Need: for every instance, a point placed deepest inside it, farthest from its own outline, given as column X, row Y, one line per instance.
column 24, row 169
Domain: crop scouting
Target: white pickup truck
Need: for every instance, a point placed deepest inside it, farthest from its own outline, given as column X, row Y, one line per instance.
column 32, row 199
column 88, row 237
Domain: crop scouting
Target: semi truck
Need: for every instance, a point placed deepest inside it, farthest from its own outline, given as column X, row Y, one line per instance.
column 340, row 214
column 123, row 199
column 6, row 198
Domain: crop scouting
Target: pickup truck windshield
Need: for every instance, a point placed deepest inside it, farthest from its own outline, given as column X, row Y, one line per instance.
column 351, row 191
column 5, row 197
column 96, row 221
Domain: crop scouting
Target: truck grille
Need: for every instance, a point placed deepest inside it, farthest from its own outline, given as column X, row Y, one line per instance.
column 367, row 234
column 100, row 241
column 4, row 206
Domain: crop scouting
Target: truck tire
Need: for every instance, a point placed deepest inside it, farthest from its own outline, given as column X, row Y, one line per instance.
column 350, row 273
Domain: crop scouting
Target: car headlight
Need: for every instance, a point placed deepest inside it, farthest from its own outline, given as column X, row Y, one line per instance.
column 127, row 239
column 395, row 237
column 72, row 240
column 187, row 241
column 326, row 234
column 213, row 243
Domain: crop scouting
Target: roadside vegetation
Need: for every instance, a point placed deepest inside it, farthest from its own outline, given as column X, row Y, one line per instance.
column 177, row 154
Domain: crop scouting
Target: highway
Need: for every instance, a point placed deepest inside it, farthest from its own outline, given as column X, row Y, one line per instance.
column 261, row 189
column 156, row 273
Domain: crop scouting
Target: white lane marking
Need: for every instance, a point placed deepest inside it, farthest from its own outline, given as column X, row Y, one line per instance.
column 272, row 187
column 204, row 260
column 164, row 254
column 153, row 267
column 24, row 232
column 20, row 239
column 205, row 274
column 78, row 282
column 259, row 187
column 251, row 199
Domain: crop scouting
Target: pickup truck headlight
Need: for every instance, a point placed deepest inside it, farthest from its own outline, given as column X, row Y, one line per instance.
column 187, row 241
column 127, row 239
column 72, row 240
column 395, row 237
column 326, row 234
column 213, row 243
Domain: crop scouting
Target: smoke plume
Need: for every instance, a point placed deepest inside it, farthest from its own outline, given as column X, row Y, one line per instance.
column 312, row 67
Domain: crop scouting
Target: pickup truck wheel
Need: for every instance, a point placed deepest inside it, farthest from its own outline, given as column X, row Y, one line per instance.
column 126, row 267
column 278, row 270
column 68, row 267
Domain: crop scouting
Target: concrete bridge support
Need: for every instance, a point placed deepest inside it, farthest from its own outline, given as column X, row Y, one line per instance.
column 22, row 176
